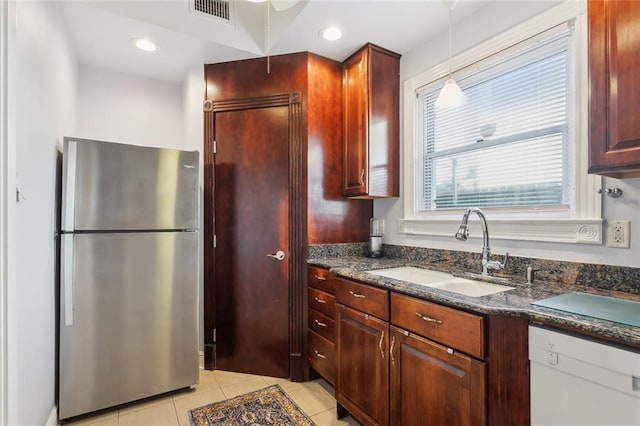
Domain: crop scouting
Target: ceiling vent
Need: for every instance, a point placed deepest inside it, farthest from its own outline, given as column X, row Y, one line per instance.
column 219, row 9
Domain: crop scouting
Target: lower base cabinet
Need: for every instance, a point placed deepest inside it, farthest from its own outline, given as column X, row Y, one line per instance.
column 434, row 385
column 362, row 382
column 321, row 324
column 321, row 356
column 404, row 361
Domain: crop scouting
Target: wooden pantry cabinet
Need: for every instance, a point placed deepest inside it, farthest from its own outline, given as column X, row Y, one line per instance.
column 291, row 104
column 371, row 97
column 406, row 361
column 614, row 92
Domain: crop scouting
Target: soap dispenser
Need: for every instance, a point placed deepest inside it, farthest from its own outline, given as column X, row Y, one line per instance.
column 376, row 230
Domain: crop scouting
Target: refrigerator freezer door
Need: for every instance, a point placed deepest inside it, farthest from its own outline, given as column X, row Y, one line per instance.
column 135, row 318
column 110, row 186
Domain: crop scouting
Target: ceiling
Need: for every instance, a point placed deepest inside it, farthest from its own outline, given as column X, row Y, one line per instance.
column 102, row 31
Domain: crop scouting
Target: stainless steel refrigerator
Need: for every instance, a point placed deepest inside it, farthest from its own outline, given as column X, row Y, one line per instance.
column 129, row 274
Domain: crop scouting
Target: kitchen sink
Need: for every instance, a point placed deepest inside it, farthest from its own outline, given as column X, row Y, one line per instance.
column 441, row 281
column 414, row 275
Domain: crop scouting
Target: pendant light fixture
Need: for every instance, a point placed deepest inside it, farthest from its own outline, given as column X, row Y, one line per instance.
column 451, row 95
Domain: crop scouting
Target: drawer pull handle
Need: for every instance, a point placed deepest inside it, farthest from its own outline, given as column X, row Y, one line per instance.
column 425, row 318
column 321, row 324
column 320, row 300
column 393, row 344
column 319, row 355
column 380, row 344
column 319, row 278
column 362, row 178
column 358, row 295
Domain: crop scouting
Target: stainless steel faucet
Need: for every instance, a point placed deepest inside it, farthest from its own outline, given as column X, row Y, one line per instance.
column 463, row 234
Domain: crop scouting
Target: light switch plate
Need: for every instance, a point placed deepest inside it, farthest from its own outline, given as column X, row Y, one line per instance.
column 618, row 233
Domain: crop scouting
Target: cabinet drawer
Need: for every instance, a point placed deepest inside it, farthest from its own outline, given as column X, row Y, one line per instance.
column 321, row 279
column 322, row 324
column 368, row 299
column 322, row 301
column 321, row 356
column 456, row 329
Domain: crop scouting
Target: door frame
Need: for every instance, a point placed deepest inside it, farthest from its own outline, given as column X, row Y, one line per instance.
column 297, row 221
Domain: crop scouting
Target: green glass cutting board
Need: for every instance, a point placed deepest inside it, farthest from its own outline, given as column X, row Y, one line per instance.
column 602, row 307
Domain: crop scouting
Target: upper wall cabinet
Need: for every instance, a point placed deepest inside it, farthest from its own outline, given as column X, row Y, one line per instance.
column 371, row 89
column 614, row 88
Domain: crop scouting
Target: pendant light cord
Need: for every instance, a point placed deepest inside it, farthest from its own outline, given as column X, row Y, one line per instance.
column 450, row 37
column 268, row 36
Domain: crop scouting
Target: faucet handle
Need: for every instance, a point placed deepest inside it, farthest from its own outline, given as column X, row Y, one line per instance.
column 497, row 265
column 506, row 259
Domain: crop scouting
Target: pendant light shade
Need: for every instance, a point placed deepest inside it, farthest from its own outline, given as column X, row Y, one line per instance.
column 451, row 95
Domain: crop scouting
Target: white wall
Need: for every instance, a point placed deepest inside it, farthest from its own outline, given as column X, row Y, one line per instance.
column 471, row 31
column 117, row 107
column 44, row 112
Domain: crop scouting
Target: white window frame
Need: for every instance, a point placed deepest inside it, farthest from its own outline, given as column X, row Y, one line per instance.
column 583, row 223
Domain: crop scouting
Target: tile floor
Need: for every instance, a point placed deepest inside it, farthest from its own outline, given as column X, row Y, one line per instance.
column 314, row 398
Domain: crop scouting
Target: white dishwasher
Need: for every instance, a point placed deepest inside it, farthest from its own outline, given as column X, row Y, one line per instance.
column 576, row 381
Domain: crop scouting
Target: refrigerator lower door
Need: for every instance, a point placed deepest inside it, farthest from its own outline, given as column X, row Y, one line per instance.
column 128, row 318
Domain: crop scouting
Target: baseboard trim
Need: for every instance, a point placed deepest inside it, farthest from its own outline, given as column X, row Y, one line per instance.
column 53, row 417
column 201, row 360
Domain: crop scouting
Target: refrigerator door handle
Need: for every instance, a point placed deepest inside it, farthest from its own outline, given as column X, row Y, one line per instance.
column 67, row 277
column 70, row 200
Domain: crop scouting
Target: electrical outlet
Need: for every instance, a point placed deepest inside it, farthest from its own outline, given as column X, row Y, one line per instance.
column 618, row 233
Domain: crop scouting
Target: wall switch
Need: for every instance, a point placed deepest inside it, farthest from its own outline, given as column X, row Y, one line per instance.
column 618, row 233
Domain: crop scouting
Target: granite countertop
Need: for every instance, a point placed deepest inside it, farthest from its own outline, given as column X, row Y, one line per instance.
column 516, row 302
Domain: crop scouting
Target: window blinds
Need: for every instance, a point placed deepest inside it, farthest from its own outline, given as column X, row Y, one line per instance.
column 507, row 146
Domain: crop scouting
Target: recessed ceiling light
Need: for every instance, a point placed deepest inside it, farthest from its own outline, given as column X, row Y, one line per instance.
column 144, row 44
column 331, row 33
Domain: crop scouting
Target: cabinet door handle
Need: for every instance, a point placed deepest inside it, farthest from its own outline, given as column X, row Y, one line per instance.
column 425, row 318
column 380, row 344
column 320, row 300
column 321, row 324
column 362, row 177
column 358, row 295
column 319, row 278
column 393, row 344
column 319, row 355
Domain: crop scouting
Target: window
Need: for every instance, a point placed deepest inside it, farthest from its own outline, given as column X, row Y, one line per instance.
column 508, row 145
column 517, row 148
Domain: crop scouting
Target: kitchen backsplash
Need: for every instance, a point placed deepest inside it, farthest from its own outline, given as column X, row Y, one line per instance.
column 620, row 278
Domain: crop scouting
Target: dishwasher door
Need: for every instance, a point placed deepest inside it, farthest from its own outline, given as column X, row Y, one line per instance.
column 576, row 381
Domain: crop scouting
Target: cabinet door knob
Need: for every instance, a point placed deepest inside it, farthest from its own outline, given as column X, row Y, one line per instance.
column 380, row 344
column 362, row 177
